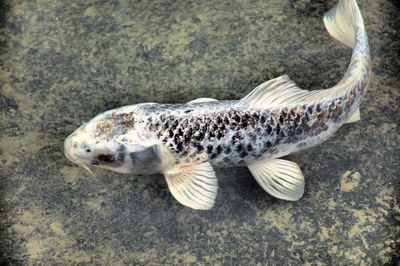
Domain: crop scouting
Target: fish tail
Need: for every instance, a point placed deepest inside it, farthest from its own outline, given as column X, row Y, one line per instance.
column 342, row 21
column 345, row 23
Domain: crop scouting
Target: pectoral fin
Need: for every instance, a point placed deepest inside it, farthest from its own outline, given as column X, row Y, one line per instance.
column 194, row 186
column 280, row 178
column 146, row 160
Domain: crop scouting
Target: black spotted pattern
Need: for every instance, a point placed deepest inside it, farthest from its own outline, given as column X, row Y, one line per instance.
column 230, row 134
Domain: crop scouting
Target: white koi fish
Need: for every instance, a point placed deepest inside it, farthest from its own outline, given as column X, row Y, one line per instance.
column 185, row 141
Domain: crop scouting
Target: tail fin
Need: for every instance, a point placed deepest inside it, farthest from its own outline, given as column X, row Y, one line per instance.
column 342, row 20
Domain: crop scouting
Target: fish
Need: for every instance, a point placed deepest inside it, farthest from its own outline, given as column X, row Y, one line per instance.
column 185, row 141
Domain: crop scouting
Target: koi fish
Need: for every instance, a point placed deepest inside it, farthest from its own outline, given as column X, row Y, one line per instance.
column 185, row 141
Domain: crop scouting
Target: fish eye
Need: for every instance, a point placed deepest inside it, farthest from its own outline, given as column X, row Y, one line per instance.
column 105, row 157
column 87, row 148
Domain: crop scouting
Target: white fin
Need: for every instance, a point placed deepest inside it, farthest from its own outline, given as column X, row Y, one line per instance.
column 194, row 186
column 202, row 100
column 275, row 91
column 341, row 20
column 280, row 178
column 354, row 117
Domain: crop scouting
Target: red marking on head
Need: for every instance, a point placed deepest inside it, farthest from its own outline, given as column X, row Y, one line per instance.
column 103, row 155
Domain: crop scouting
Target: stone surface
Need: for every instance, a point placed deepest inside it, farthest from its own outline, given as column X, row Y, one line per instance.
column 62, row 62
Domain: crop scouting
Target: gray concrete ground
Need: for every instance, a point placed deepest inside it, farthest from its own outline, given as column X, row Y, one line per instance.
column 62, row 62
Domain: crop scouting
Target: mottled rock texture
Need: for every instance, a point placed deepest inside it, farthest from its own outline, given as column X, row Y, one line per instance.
column 62, row 62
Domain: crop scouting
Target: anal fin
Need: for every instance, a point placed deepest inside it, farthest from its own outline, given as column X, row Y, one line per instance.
column 281, row 178
column 194, row 186
column 354, row 117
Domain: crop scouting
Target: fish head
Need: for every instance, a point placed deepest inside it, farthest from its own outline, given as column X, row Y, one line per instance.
column 108, row 141
column 86, row 148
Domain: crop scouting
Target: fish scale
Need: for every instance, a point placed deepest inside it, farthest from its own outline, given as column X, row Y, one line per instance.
column 231, row 136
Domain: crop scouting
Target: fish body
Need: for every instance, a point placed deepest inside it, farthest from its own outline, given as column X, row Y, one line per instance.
column 185, row 141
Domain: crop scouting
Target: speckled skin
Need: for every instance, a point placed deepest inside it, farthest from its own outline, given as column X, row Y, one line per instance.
column 228, row 133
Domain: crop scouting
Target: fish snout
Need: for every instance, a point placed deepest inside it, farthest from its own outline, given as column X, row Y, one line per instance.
column 76, row 150
column 69, row 146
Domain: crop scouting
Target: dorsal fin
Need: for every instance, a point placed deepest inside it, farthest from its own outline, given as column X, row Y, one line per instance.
column 275, row 91
column 202, row 100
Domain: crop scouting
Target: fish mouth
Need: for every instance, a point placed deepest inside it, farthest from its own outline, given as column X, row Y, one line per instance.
column 86, row 168
column 73, row 157
column 77, row 161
